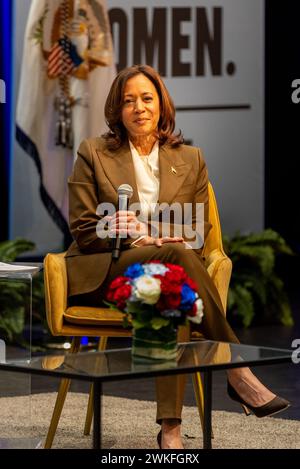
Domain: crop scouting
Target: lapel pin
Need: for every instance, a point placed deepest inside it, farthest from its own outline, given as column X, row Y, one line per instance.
column 173, row 170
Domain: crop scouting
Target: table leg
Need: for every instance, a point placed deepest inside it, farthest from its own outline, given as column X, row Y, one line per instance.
column 97, row 415
column 207, row 409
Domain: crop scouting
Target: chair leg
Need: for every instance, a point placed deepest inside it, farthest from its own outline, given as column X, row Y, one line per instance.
column 199, row 396
column 90, row 409
column 60, row 400
column 89, row 412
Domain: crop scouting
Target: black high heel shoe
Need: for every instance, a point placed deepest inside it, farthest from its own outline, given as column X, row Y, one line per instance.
column 159, row 439
column 270, row 408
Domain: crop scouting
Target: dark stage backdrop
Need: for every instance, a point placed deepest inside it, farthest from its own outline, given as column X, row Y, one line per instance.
column 282, row 183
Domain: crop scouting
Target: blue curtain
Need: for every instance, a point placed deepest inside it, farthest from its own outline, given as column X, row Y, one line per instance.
column 6, row 109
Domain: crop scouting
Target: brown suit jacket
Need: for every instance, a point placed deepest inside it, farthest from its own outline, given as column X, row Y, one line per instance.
column 97, row 174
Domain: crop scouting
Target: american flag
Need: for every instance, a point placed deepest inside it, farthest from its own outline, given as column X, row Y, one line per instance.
column 63, row 58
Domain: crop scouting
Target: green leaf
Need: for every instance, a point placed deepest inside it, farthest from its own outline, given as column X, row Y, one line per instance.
column 157, row 323
column 137, row 324
column 134, row 307
column 280, row 306
column 256, row 285
column 110, row 305
column 262, row 257
column 9, row 250
column 285, row 314
column 13, row 294
column 241, row 298
column 126, row 322
column 255, row 290
column 12, row 325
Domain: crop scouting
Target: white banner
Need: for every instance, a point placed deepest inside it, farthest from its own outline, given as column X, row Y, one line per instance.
column 211, row 53
column 67, row 69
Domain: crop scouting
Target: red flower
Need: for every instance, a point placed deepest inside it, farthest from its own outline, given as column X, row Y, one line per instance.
column 191, row 283
column 118, row 284
column 178, row 271
column 172, row 281
column 121, row 295
column 170, row 285
column 173, row 301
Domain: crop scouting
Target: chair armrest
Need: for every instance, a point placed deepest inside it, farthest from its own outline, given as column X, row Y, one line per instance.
column 219, row 267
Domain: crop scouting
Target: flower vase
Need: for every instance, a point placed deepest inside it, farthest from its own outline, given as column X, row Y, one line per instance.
column 155, row 345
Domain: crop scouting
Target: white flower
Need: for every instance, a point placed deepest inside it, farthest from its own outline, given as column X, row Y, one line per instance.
column 155, row 269
column 147, row 289
column 199, row 314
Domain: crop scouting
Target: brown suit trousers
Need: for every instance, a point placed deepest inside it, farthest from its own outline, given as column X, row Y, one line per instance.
column 214, row 325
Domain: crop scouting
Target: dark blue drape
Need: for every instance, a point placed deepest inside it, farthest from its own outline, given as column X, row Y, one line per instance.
column 6, row 109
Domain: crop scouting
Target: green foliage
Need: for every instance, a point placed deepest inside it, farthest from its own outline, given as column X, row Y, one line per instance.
column 256, row 292
column 12, row 311
column 10, row 250
column 12, row 294
column 158, row 323
column 140, row 318
column 145, row 317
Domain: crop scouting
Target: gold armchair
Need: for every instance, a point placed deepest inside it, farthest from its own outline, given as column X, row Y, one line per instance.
column 78, row 321
column 218, row 265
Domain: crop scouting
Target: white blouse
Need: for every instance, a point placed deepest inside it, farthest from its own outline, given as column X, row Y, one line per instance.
column 147, row 178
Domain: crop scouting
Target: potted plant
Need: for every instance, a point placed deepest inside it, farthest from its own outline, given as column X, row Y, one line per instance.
column 256, row 292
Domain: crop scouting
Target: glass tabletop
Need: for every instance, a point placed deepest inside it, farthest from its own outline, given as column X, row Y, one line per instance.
column 120, row 364
column 19, row 270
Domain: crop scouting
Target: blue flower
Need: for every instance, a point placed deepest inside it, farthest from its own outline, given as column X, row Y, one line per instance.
column 134, row 270
column 188, row 297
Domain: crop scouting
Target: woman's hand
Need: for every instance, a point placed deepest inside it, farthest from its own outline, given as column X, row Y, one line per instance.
column 125, row 223
column 150, row 241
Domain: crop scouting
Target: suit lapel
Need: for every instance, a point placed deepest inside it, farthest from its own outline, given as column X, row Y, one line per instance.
column 119, row 169
column 173, row 172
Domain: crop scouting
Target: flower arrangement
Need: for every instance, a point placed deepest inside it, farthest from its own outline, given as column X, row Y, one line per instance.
column 156, row 298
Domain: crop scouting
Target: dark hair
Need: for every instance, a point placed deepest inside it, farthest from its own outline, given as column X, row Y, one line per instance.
column 117, row 134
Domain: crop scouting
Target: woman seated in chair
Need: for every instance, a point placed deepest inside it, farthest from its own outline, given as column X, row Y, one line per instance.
column 142, row 150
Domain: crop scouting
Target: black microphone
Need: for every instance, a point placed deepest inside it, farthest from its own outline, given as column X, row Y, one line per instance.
column 125, row 192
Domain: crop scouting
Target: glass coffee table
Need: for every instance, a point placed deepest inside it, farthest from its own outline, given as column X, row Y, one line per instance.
column 114, row 365
column 17, row 281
